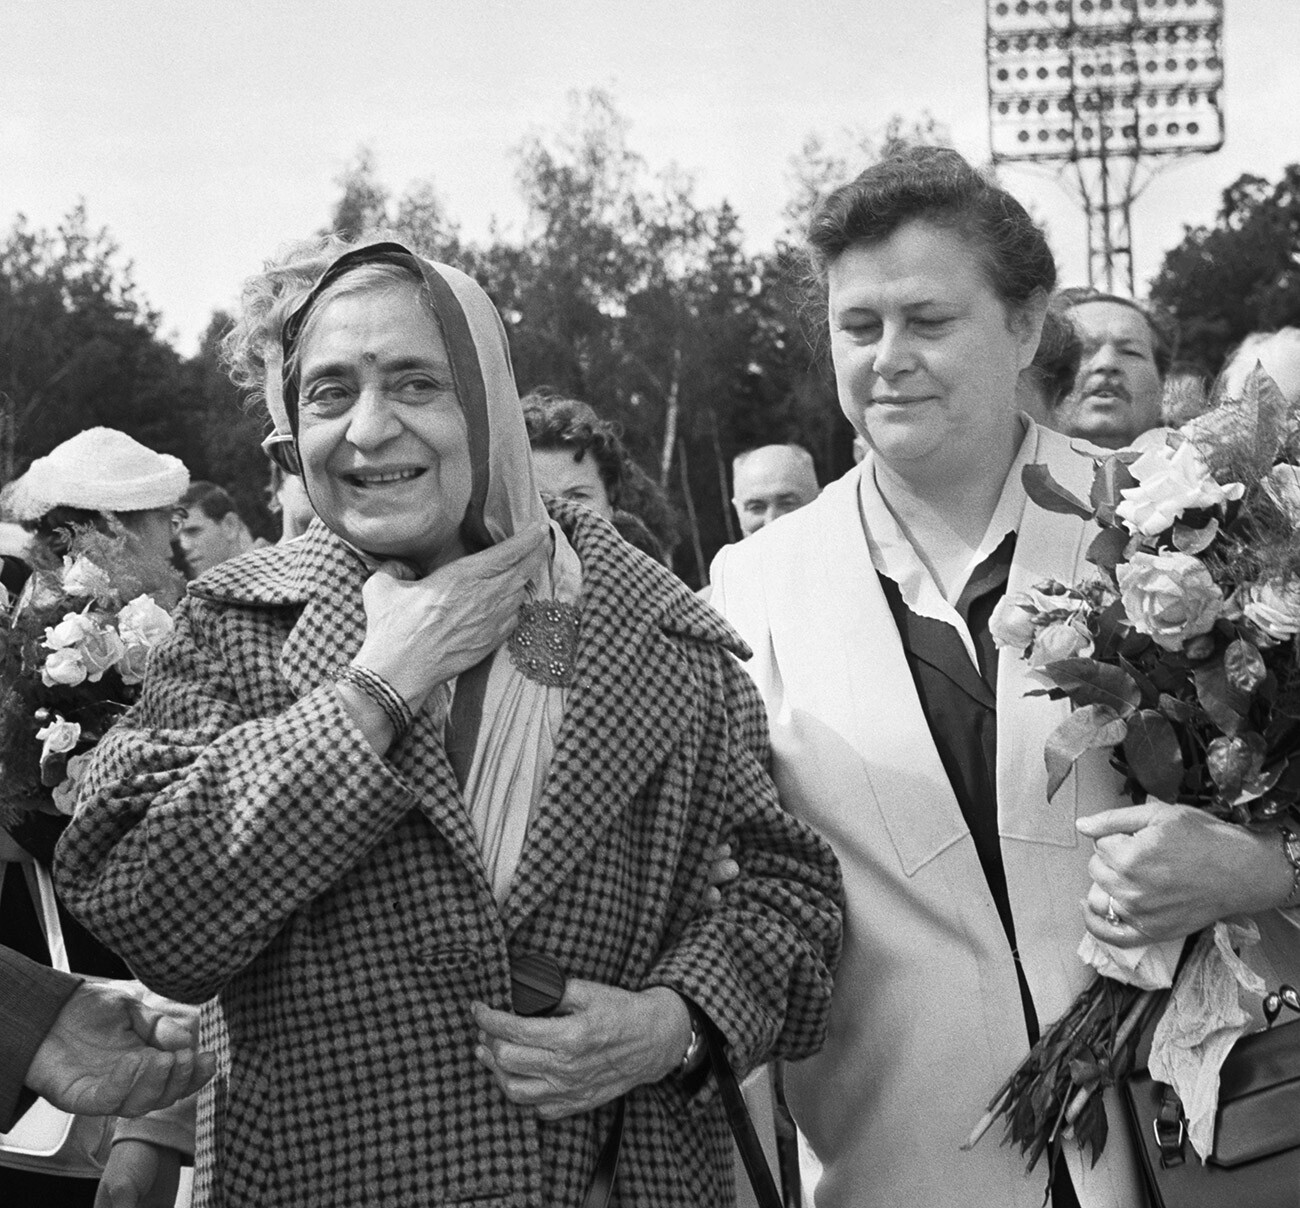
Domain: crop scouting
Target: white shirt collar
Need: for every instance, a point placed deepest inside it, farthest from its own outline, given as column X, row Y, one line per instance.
column 892, row 553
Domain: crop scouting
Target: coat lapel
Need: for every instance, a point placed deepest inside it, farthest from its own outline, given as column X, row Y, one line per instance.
column 630, row 702
column 835, row 641
column 322, row 576
column 1049, row 546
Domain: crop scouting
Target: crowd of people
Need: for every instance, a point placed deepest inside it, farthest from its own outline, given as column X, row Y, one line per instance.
column 450, row 832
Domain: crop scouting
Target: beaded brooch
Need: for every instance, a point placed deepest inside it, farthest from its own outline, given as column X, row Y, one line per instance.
column 544, row 645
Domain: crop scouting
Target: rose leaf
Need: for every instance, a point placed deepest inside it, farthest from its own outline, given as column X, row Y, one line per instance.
column 1050, row 495
column 1084, row 730
column 1153, row 754
column 1244, row 665
column 1089, row 682
column 1225, row 705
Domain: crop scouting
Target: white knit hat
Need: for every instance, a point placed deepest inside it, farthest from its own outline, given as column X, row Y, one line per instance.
column 101, row 470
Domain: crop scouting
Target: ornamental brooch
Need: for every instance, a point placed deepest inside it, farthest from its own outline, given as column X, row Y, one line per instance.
column 544, row 645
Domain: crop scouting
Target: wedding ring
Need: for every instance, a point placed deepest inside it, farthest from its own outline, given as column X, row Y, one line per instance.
column 1112, row 915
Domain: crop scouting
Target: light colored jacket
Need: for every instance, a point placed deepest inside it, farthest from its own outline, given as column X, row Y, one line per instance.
column 927, row 1019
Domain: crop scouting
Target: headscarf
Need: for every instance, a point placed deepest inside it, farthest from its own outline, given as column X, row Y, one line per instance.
column 512, row 719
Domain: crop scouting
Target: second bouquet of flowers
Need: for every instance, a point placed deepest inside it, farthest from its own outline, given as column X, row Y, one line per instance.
column 1180, row 660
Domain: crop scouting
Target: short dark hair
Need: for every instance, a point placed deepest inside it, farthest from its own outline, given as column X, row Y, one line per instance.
column 936, row 185
column 556, row 422
column 213, row 501
column 1056, row 363
column 1163, row 340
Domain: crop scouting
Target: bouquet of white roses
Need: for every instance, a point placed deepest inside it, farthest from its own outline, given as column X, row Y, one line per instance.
column 1181, row 660
column 72, row 656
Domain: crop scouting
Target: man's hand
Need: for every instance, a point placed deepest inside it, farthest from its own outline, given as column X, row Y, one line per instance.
column 110, row 1055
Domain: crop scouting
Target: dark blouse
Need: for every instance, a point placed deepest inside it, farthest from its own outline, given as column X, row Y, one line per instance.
column 960, row 707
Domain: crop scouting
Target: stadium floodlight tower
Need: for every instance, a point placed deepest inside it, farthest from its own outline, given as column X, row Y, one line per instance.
column 1110, row 89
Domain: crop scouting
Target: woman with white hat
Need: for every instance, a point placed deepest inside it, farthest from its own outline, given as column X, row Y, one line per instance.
column 98, row 473
column 100, row 479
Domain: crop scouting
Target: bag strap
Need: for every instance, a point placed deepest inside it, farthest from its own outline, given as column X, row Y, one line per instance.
column 742, row 1127
column 602, row 1182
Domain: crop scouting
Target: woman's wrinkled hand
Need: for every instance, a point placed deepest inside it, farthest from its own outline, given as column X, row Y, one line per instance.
column 601, row 1042
column 1169, row 870
column 422, row 632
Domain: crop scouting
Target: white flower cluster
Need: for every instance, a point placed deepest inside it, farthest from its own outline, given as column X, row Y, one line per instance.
column 86, row 644
column 1046, row 624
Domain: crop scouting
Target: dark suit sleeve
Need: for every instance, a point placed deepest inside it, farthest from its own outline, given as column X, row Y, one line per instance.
column 200, row 829
column 31, row 997
column 760, row 964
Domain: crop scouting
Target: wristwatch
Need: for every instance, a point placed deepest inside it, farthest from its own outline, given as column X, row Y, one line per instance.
column 1291, row 846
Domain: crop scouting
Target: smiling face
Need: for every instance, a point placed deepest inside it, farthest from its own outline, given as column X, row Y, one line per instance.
column 381, row 433
column 1117, row 393
column 926, row 356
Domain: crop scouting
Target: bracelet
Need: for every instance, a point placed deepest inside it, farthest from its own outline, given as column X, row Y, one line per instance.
column 1291, row 849
column 372, row 684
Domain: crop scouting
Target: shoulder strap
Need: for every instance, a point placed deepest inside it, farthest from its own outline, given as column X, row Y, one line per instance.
column 742, row 1127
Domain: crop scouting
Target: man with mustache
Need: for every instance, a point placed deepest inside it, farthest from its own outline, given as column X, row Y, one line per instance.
column 1118, row 391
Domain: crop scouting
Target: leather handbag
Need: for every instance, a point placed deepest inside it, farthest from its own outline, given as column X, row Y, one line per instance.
column 1256, row 1158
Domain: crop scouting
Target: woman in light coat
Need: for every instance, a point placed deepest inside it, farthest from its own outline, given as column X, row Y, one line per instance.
column 900, row 733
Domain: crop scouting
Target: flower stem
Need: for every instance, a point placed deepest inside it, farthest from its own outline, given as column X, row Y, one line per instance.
column 1136, row 1013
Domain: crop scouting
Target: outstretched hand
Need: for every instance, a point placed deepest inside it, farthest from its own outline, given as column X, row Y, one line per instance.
column 601, row 1043
column 1169, row 870
column 108, row 1054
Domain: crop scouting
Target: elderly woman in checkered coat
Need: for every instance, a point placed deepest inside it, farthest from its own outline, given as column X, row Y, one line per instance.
column 441, row 736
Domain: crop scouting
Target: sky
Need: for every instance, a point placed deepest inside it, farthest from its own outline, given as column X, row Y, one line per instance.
column 204, row 135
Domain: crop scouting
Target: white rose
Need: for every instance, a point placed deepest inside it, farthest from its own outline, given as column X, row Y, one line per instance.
column 143, row 623
column 1283, row 487
column 1012, row 624
column 99, row 650
column 60, row 736
column 1061, row 640
column 1274, row 608
column 82, row 577
column 1170, row 596
column 63, row 667
column 65, row 792
column 68, row 632
column 1170, row 482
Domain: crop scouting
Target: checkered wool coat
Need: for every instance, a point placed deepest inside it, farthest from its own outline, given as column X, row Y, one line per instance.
column 237, row 837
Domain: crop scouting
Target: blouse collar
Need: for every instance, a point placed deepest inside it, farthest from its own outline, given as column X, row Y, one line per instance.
column 892, row 553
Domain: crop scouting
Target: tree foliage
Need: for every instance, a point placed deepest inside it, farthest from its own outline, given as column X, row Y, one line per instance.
column 622, row 289
column 78, row 346
column 1240, row 275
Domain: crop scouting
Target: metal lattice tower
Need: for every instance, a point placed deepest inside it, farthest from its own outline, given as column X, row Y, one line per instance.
column 1109, row 90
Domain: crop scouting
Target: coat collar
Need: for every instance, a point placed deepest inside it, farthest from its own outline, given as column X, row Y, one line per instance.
column 634, row 697
column 629, row 666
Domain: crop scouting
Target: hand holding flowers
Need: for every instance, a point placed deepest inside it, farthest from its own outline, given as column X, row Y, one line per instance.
column 1186, row 673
